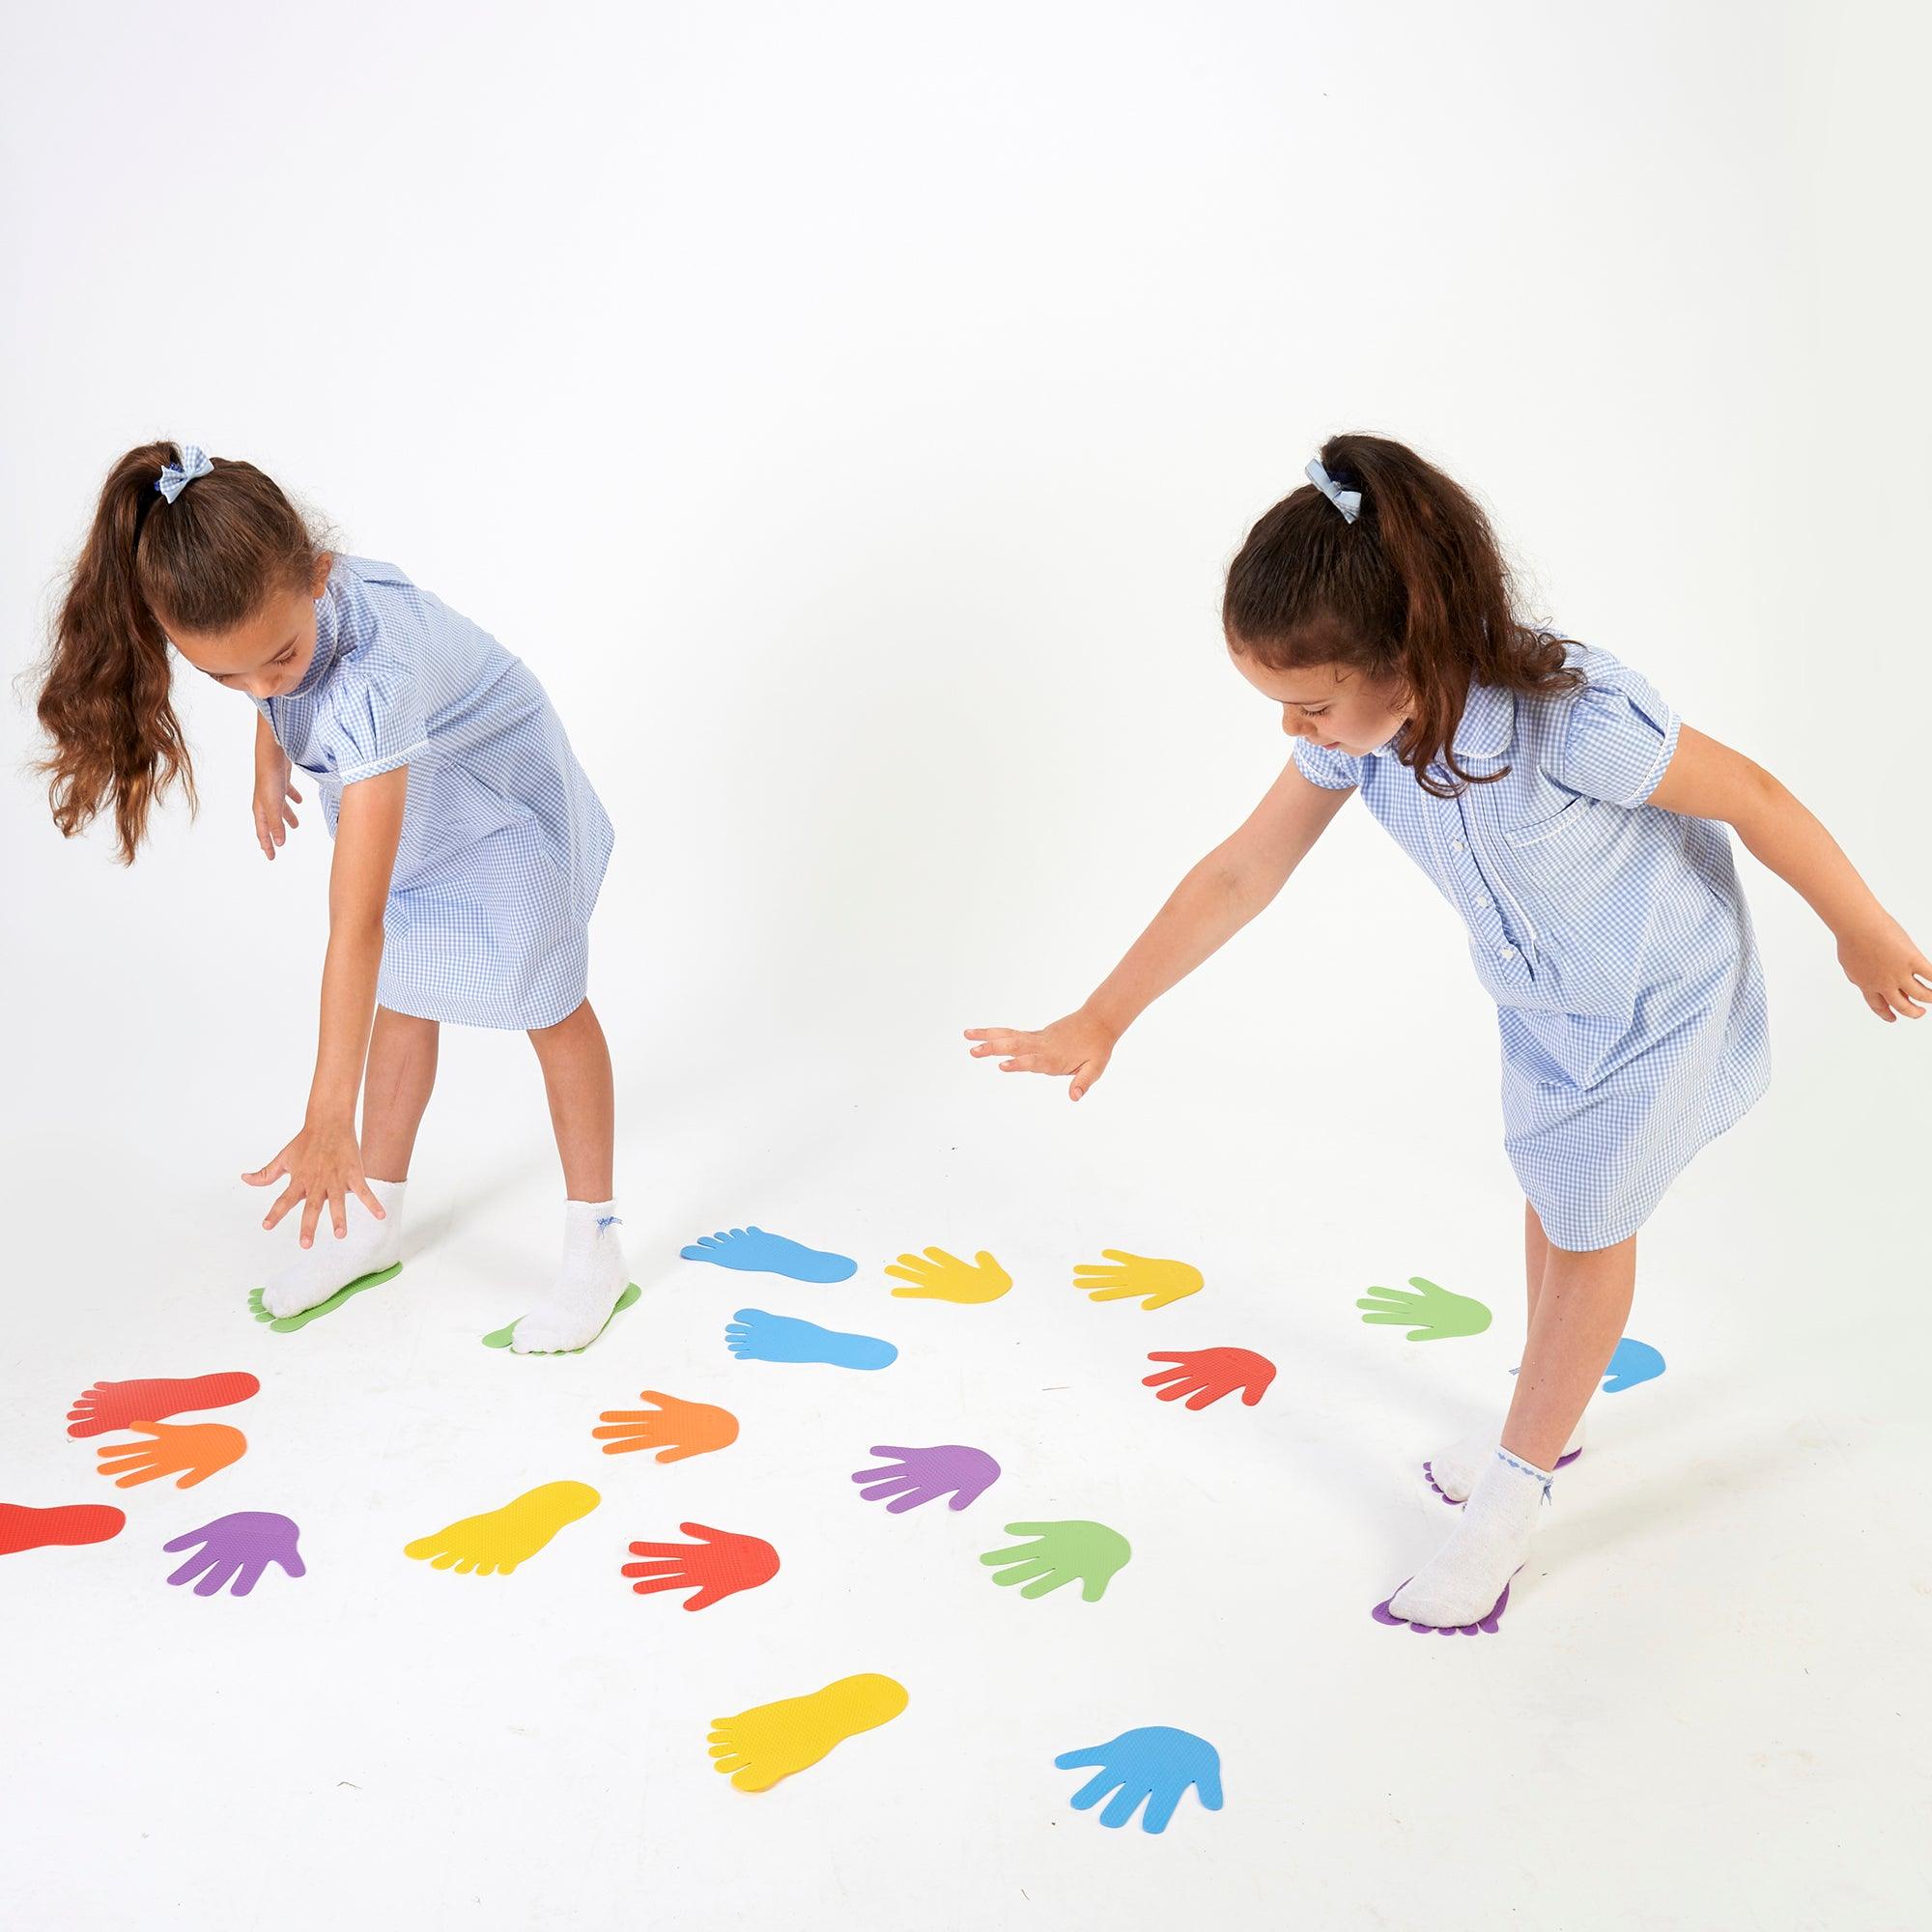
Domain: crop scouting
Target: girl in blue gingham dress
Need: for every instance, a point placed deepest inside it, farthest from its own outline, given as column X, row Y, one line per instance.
column 1578, row 828
column 469, row 844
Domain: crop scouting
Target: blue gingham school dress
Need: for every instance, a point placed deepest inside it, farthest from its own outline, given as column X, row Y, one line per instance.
column 1613, row 935
column 504, row 841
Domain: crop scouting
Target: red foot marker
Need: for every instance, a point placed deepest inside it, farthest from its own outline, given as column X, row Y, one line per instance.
column 24, row 1527
column 115, row 1404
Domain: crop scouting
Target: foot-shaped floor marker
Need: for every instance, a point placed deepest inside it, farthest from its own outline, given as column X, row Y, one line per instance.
column 752, row 1251
column 769, row 1742
column 22, row 1527
column 115, row 1404
column 499, row 1338
column 1456, row 1502
column 1484, row 1625
column 754, row 1336
column 494, row 1544
column 287, row 1324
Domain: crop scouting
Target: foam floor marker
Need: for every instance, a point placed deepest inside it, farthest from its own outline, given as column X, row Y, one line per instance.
column 1484, row 1626
column 754, row 1336
column 192, row 1451
column 675, row 1428
column 922, row 1475
column 1060, row 1552
column 720, row 1564
column 115, row 1404
column 769, row 1742
column 499, row 1338
column 752, row 1251
column 1633, row 1362
column 1118, row 1276
column 287, row 1324
column 1431, row 1314
column 1203, row 1375
column 1155, row 1764
column 22, row 1527
column 237, row 1550
column 494, row 1544
column 937, row 1276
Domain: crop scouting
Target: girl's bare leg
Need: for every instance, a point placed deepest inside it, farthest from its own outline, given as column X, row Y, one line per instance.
column 577, row 1076
column 1535, row 1257
column 396, row 1087
column 1576, row 1322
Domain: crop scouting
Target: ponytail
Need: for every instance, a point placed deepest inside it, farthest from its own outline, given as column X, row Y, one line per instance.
column 1412, row 590
column 203, row 561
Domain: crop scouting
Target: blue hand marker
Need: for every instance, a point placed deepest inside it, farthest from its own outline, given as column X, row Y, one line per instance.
column 754, row 1336
column 752, row 1251
column 1634, row 1362
column 1154, row 1763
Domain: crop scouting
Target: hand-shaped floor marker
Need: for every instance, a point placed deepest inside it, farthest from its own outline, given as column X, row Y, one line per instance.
column 769, row 1742
column 937, row 1276
column 1484, row 1626
column 494, row 1544
column 754, row 1336
column 752, row 1251
column 1154, row 1763
column 1633, row 1362
column 1060, row 1552
column 718, row 1565
column 194, row 1451
column 1205, row 1375
column 675, row 1428
column 22, row 1527
column 499, row 1338
column 115, row 1404
column 1118, row 1276
column 920, row 1475
column 1436, row 1314
column 237, row 1550
column 287, row 1324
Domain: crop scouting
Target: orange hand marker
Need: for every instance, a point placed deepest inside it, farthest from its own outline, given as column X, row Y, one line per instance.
column 194, row 1451
column 675, row 1427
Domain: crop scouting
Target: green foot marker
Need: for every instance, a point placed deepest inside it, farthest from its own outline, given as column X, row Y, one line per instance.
column 287, row 1324
column 499, row 1338
column 1434, row 1313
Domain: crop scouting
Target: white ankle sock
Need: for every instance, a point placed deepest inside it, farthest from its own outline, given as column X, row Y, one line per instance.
column 588, row 1285
column 1454, row 1470
column 1463, row 1579
column 368, row 1247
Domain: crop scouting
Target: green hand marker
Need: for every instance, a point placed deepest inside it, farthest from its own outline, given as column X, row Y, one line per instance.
column 1437, row 1313
column 1060, row 1552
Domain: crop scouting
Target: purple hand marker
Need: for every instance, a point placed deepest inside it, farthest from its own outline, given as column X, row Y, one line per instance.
column 237, row 1550
column 922, row 1474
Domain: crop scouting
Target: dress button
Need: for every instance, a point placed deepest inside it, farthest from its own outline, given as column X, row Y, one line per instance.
column 1483, row 904
column 1456, row 846
column 1506, row 953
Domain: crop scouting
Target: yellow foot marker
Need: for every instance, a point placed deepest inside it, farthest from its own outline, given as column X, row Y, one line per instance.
column 493, row 1545
column 769, row 1742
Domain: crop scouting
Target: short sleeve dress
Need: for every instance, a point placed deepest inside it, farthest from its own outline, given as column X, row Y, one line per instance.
column 1613, row 935
column 504, row 842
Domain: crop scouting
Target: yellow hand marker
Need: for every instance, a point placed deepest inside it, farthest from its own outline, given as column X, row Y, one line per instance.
column 191, row 1450
column 1137, row 1278
column 495, row 1543
column 944, row 1277
column 769, row 1742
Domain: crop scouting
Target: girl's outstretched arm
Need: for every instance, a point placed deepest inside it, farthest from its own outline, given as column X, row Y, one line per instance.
column 1707, row 780
column 273, row 789
column 1219, row 897
column 324, row 1163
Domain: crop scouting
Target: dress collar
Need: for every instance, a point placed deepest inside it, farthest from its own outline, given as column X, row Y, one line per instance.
column 330, row 639
column 1488, row 723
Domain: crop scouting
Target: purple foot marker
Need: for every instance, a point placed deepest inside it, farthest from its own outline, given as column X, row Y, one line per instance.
column 1429, row 1477
column 1383, row 1616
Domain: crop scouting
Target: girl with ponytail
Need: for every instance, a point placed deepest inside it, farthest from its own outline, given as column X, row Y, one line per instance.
column 470, row 845
column 1578, row 828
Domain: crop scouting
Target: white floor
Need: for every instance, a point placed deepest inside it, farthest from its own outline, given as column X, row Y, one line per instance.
column 1706, row 1705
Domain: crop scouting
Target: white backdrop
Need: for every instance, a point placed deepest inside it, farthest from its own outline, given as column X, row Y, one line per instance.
column 848, row 413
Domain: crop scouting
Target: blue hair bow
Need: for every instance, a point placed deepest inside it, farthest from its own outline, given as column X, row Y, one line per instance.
column 174, row 478
column 1348, row 501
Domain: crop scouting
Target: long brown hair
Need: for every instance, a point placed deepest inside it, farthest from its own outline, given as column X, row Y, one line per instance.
column 1415, row 589
column 204, row 562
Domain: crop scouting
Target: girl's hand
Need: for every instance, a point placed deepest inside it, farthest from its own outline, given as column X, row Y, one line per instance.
column 1882, row 962
column 323, row 1167
column 272, row 792
column 1081, row 1044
